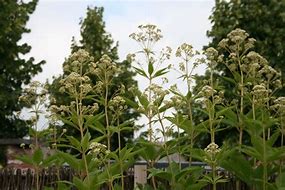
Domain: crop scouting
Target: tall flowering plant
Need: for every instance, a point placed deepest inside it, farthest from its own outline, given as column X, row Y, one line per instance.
column 92, row 159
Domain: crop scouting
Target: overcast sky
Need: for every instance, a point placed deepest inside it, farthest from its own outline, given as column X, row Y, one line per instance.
column 55, row 22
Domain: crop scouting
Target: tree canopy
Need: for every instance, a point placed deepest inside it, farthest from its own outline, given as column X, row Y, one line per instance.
column 98, row 42
column 263, row 20
column 15, row 71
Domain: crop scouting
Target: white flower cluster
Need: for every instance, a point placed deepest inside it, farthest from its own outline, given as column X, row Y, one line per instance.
column 79, row 62
column 35, row 93
column 176, row 101
column 157, row 91
column 253, row 57
column 269, row 72
column 98, row 151
column 66, row 110
column 147, row 32
column 252, row 65
column 212, row 149
column 105, row 70
column 131, row 57
column 279, row 105
column 78, row 65
column 238, row 35
column 117, row 104
column 212, row 57
column 260, row 93
column 75, row 84
column 166, row 53
column 207, row 91
column 185, row 51
column 237, row 41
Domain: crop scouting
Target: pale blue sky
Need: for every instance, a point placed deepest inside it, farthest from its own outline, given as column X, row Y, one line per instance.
column 55, row 22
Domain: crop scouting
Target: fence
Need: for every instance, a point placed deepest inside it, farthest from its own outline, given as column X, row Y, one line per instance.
column 17, row 179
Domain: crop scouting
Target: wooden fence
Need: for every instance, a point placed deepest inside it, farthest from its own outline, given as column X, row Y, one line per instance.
column 24, row 179
column 17, row 179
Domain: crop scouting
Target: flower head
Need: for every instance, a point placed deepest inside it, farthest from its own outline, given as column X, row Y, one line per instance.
column 212, row 149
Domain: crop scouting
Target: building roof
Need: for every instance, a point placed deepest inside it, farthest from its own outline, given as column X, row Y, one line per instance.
column 17, row 141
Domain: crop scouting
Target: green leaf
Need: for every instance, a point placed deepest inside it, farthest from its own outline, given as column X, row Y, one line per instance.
column 150, row 68
column 117, row 187
column 228, row 79
column 198, row 186
column 49, row 160
column 62, row 185
column 163, row 108
column 160, row 72
column 158, row 101
column 140, row 72
column 159, row 173
column 131, row 103
column 150, row 151
column 274, row 154
column 70, row 159
column 280, row 181
column 69, row 123
column 74, row 142
column 80, row 185
column 38, row 156
column 92, row 120
column 199, row 154
column 100, row 138
column 230, row 116
column 98, row 126
column 189, row 95
column 26, row 159
column 89, row 97
column 193, row 171
column 235, row 162
column 219, row 179
column 85, row 142
column 253, row 152
column 125, row 124
column 273, row 138
column 48, row 188
column 143, row 100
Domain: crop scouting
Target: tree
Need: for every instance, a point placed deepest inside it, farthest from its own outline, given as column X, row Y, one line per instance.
column 15, row 71
column 95, row 39
column 263, row 20
column 97, row 42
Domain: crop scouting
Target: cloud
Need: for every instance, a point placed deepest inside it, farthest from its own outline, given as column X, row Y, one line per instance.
column 179, row 21
column 55, row 22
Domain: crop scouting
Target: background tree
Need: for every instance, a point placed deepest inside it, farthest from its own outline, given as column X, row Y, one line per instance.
column 14, row 69
column 97, row 42
column 262, row 20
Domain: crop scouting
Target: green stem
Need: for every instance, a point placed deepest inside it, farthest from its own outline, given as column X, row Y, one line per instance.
column 268, row 106
column 254, row 118
column 264, row 156
column 214, row 176
column 110, row 184
column 241, row 100
column 80, row 121
column 107, row 118
column 149, row 113
column 179, row 150
column 212, row 108
column 192, row 130
column 166, row 149
column 121, row 161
